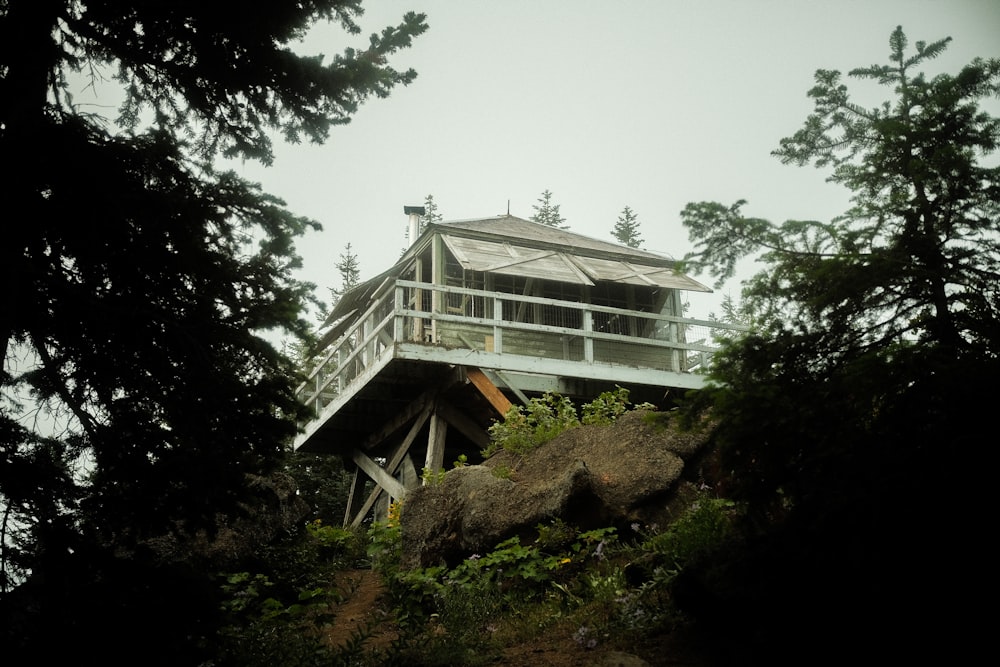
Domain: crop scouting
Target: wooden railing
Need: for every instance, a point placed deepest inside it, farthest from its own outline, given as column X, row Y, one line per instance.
column 408, row 312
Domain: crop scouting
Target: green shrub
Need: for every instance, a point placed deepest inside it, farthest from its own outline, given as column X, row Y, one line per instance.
column 431, row 477
column 607, row 407
column 526, row 427
column 701, row 529
column 384, row 546
column 345, row 546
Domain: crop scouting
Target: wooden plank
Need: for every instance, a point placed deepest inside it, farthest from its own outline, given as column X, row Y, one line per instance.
column 420, row 404
column 557, row 367
column 435, row 443
column 408, row 473
column 404, row 446
column 513, row 387
column 353, row 515
column 389, row 483
column 372, row 497
column 465, row 425
column 400, row 456
column 489, row 390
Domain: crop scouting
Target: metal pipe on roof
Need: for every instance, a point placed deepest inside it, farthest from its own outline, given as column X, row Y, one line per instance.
column 415, row 212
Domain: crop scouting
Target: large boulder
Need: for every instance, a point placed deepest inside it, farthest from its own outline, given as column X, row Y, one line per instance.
column 590, row 477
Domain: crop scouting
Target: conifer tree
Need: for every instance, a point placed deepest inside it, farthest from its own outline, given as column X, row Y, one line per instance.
column 431, row 214
column 547, row 213
column 140, row 282
column 861, row 388
column 350, row 273
column 626, row 229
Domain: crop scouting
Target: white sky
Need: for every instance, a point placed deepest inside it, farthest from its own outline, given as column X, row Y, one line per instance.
column 641, row 103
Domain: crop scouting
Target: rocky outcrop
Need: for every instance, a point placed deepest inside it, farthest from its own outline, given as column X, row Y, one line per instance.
column 590, row 476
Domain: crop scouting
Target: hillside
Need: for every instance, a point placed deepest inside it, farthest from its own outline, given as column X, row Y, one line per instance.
column 579, row 578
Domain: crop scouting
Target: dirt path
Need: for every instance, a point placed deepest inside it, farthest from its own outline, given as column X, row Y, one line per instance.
column 364, row 611
column 361, row 611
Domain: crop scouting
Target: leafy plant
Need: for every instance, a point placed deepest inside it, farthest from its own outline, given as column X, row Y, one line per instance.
column 335, row 542
column 607, row 407
column 502, row 471
column 431, row 477
column 384, row 543
column 526, row 427
column 701, row 529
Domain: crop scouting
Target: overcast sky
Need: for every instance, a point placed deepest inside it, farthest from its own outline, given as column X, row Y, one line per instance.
column 647, row 104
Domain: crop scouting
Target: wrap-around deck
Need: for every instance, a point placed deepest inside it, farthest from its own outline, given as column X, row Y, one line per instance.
column 524, row 343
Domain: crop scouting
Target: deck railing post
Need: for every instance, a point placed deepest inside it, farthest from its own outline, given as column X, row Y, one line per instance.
column 675, row 354
column 340, row 367
column 398, row 323
column 497, row 324
column 588, row 339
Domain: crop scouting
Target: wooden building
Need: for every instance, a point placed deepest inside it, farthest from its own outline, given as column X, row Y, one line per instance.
column 417, row 362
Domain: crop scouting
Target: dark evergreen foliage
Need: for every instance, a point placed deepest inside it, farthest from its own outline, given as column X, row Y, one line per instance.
column 547, row 213
column 626, row 229
column 850, row 419
column 431, row 214
column 324, row 484
column 140, row 383
column 350, row 273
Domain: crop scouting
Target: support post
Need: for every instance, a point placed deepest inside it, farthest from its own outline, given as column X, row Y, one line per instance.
column 435, row 443
column 489, row 390
column 354, row 504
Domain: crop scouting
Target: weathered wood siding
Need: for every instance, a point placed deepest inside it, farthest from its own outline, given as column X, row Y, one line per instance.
column 546, row 345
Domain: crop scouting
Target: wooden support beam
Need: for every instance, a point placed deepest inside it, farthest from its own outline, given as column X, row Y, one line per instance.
column 422, row 408
column 388, row 483
column 369, row 502
column 465, row 425
column 435, row 443
column 353, row 513
column 382, row 505
column 513, row 387
column 417, row 406
column 400, row 455
column 489, row 390
column 408, row 473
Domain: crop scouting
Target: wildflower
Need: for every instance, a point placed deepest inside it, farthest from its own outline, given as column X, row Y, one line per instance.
column 635, row 527
column 580, row 637
column 565, row 560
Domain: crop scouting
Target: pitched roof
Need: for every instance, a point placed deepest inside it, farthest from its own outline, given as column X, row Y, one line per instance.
column 534, row 234
column 574, row 257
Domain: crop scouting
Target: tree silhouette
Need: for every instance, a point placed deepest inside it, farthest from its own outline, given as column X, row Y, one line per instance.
column 140, row 393
column 431, row 214
column 860, row 389
column 547, row 213
column 350, row 273
column 626, row 229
